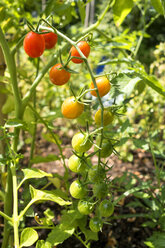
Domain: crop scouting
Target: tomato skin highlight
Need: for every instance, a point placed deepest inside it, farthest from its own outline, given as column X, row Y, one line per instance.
column 103, row 86
column 77, row 143
column 108, row 117
column 58, row 76
column 77, row 190
column 85, row 49
column 72, row 109
column 95, row 224
column 106, row 208
column 50, row 40
column 34, row 44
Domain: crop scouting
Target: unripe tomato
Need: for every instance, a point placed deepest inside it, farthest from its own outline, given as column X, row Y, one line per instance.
column 103, row 86
column 79, row 142
column 95, row 224
column 76, row 164
column 59, row 76
column 34, row 44
column 77, row 190
column 85, row 207
column 100, row 190
column 106, row 208
column 85, row 49
column 108, row 117
column 96, row 174
column 50, row 40
column 106, row 148
column 71, row 108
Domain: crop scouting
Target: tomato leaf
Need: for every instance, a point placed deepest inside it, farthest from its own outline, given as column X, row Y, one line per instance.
column 81, row 8
column 34, row 173
column 45, row 195
column 43, row 244
column 158, row 6
column 48, row 158
column 121, row 9
column 28, row 237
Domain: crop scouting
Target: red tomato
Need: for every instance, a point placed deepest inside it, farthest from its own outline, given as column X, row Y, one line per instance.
column 59, row 76
column 85, row 49
column 34, row 44
column 50, row 40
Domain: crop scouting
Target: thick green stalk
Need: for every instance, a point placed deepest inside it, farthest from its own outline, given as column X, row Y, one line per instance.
column 15, row 208
column 9, row 58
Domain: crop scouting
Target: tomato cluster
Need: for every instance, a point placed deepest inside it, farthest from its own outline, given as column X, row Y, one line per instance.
column 92, row 178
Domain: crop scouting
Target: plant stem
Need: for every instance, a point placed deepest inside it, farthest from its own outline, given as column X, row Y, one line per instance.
column 79, row 238
column 25, row 209
column 15, row 207
column 5, row 216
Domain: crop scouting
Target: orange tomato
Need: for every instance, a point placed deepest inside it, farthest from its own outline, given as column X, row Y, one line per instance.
column 59, row 76
column 103, row 86
column 85, row 49
column 50, row 40
column 71, row 108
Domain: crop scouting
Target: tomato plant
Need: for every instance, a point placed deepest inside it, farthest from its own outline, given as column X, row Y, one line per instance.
column 34, row 44
column 106, row 208
column 85, row 207
column 85, row 49
column 103, row 86
column 58, row 75
column 108, row 117
column 71, row 108
column 77, row 190
column 106, row 147
column 81, row 142
column 95, row 224
column 50, row 39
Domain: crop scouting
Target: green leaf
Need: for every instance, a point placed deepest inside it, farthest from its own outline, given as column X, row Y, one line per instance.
column 158, row 6
column 45, row 195
column 34, row 173
column 81, row 8
column 15, row 123
column 121, row 9
column 48, row 158
column 9, row 105
column 58, row 235
column 43, row 244
column 157, row 240
column 150, row 80
column 28, row 237
column 140, row 143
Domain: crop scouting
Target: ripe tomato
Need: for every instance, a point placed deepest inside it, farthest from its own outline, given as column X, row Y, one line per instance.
column 108, row 117
column 85, row 207
column 77, row 190
column 106, row 208
column 50, row 39
column 96, row 174
column 80, row 143
column 34, row 44
column 76, row 164
column 103, row 86
column 59, row 76
column 71, row 109
column 85, row 49
column 95, row 224
column 100, row 190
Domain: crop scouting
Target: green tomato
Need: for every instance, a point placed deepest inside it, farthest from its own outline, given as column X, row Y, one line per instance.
column 106, row 149
column 85, row 207
column 100, row 190
column 95, row 224
column 80, row 143
column 106, row 208
column 76, row 165
column 96, row 174
column 77, row 190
